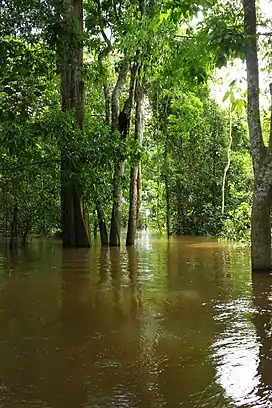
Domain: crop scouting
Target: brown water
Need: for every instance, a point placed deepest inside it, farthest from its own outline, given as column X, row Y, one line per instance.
column 164, row 324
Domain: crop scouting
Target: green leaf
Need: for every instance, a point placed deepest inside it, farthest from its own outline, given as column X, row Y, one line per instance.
column 225, row 97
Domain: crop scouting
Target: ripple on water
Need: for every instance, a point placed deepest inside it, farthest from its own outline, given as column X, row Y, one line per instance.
column 236, row 353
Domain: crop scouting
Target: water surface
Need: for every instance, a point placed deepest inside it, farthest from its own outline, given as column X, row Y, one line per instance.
column 176, row 323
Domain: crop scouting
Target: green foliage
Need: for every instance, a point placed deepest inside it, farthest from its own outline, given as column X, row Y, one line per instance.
column 29, row 178
column 187, row 154
column 27, row 80
column 237, row 225
column 184, row 151
column 222, row 32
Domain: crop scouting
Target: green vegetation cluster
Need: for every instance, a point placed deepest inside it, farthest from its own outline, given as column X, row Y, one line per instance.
column 107, row 120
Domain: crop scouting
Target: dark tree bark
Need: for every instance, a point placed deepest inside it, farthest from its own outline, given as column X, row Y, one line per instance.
column 75, row 226
column 104, row 239
column 115, row 105
column 261, row 156
column 26, row 232
column 134, row 171
column 121, row 121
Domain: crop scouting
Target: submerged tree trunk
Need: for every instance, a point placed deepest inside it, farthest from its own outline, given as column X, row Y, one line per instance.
column 261, row 233
column 135, row 171
column 261, row 157
column 75, row 226
column 122, row 122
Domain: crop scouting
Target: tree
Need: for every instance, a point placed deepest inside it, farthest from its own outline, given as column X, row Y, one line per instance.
column 75, row 223
column 134, row 202
column 124, row 119
column 261, row 155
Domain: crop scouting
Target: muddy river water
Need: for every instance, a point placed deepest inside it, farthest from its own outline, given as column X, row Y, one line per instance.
column 178, row 323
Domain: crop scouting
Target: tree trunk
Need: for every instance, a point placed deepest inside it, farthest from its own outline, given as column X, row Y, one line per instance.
column 106, row 90
column 261, row 157
column 13, row 227
column 75, row 227
column 123, row 121
column 132, row 219
column 25, row 234
column 139, row 193
column 261, row 234
column 82, row 222
column 104, row 239
column 226, row 169
column 166, row 180
column 118, row 168
column 253, row 108
column 107, row 104
column 95, row 226
column 134, row 172
column 116, row 215
column 115, row 107
column 167, row 193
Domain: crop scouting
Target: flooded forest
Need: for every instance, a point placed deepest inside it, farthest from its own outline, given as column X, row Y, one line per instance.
column 135, row 203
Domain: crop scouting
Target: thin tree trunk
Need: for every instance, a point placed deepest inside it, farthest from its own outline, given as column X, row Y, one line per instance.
column 26, row 233
column 124, row 119
column 132, row 220
column 262, row 162
column 106, row 90
column 107, row 104
column 139, row 194
column 226, row 169
column 13, row 227
column 116, row 215
column 102, row 70
column 166, row 180
column 167, row 193
column 270, row 136
column 75, row 226
column 95, row 226
column 134, row 171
